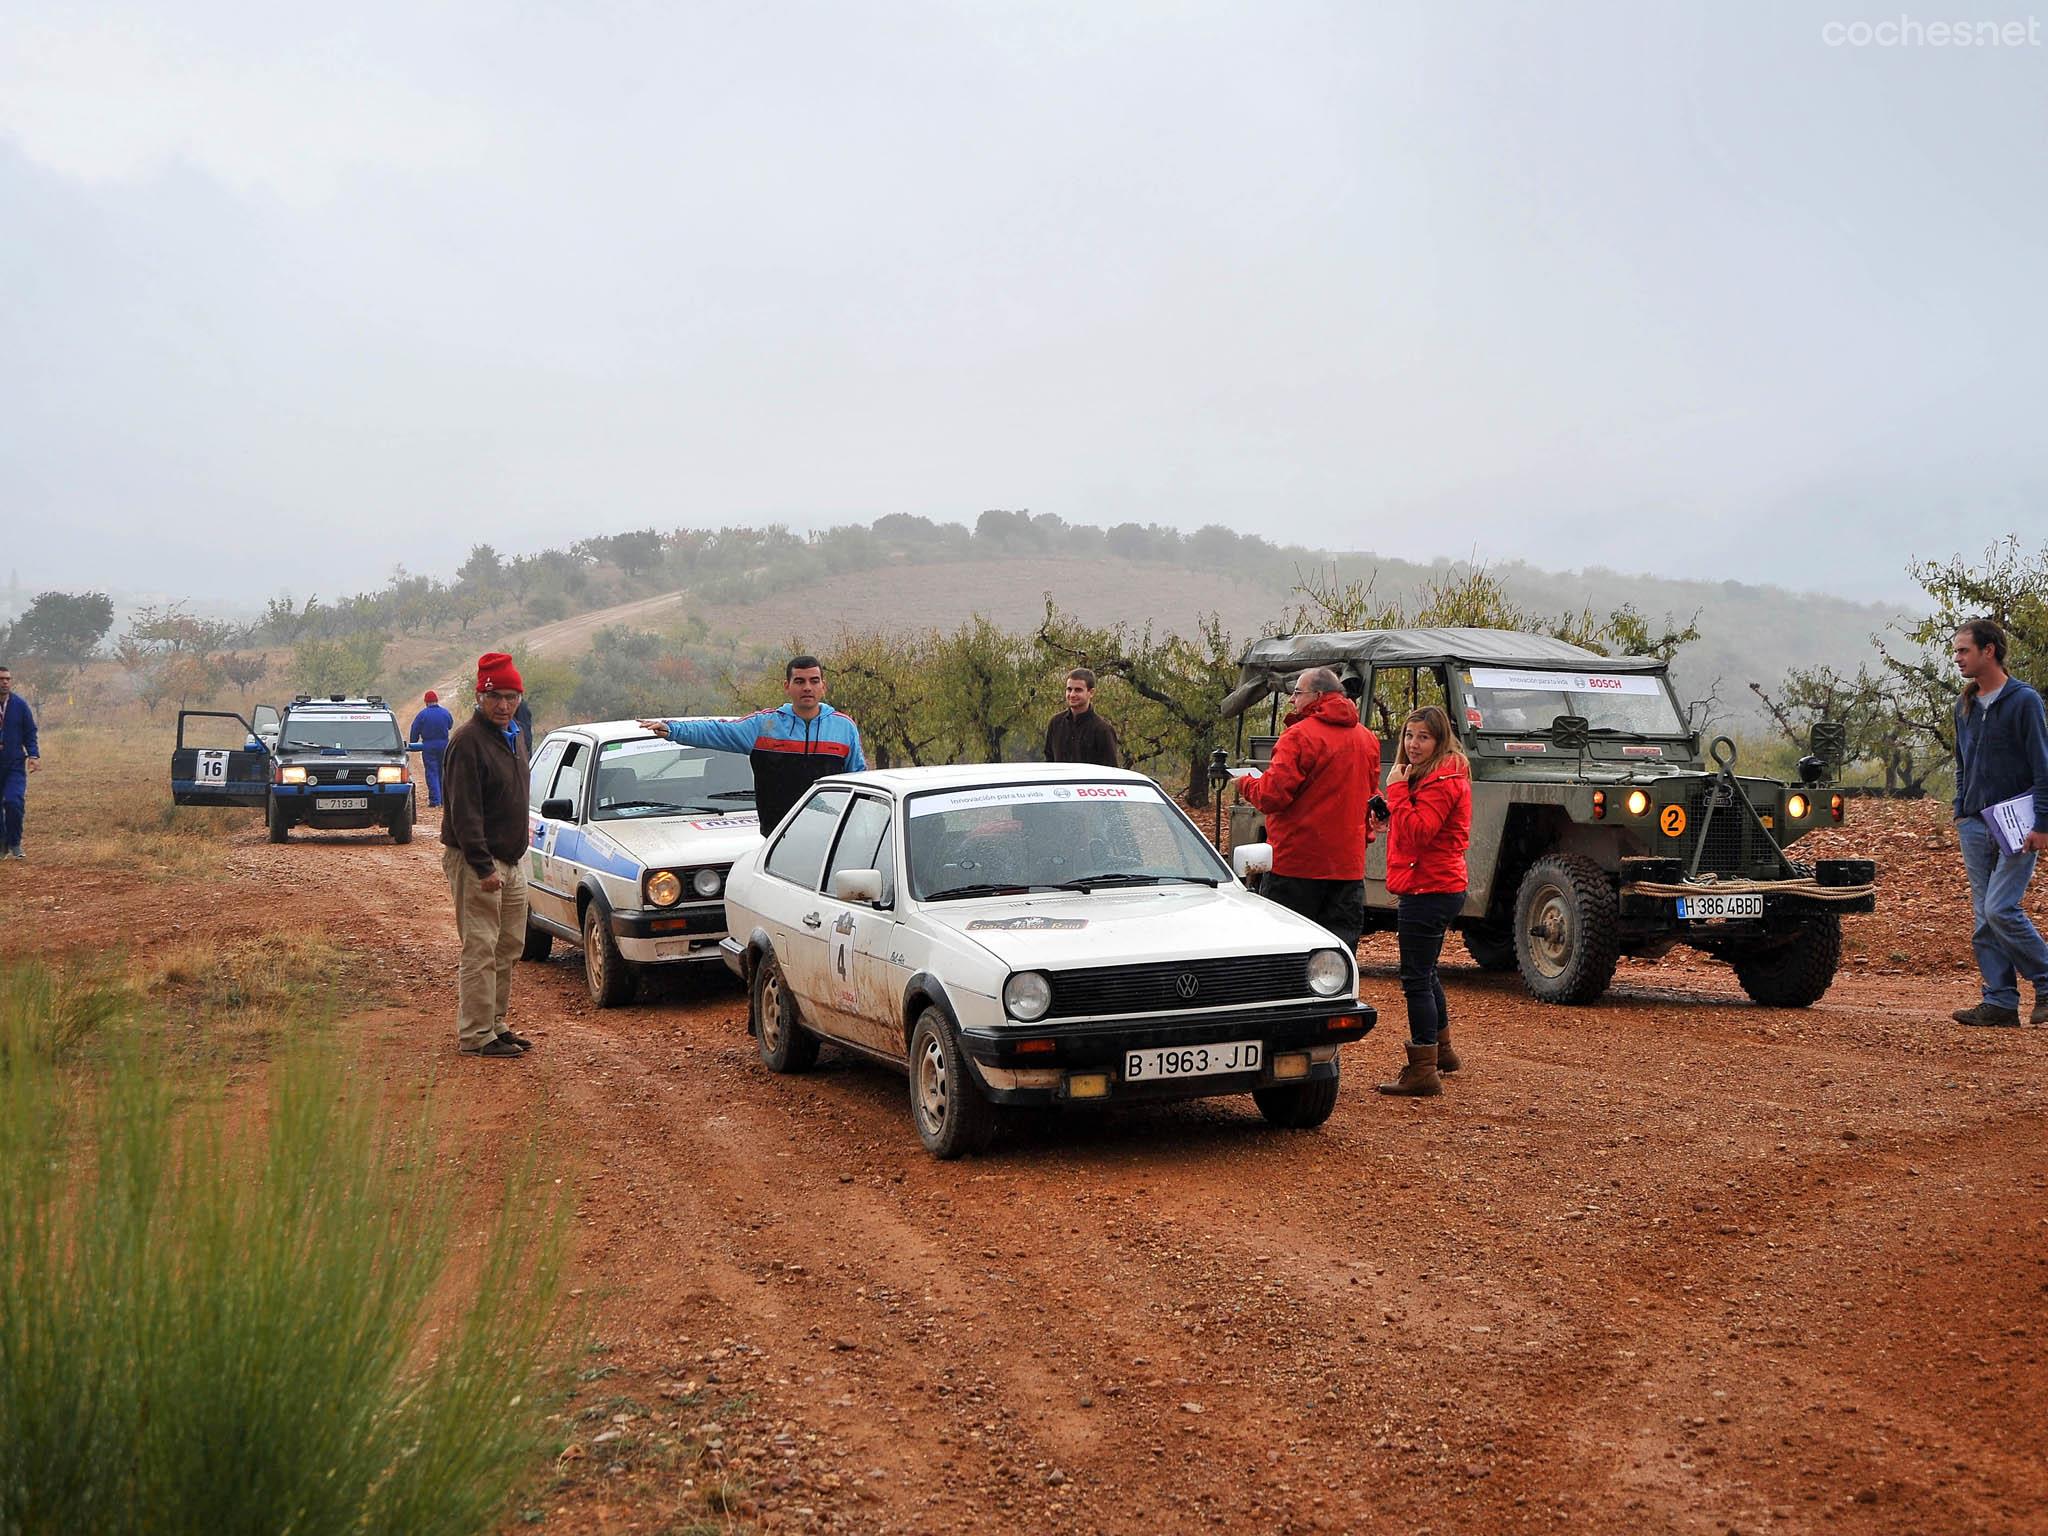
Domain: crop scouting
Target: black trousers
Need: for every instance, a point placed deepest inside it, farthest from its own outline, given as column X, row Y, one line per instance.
column 1339, row 905
column 1420, row 923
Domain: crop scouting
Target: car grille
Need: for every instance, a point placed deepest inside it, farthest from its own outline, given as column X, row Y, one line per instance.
column 1730, row 842
column 353, row 773
column 1178, row 985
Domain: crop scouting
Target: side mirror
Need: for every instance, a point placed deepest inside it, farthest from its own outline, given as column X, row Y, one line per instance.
column 1251, row 859
column 857, row 885
column 558, row 810
column 1829, row 741
column 1574, row 733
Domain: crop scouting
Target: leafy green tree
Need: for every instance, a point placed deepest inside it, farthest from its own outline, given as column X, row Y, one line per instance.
column 60, row 629
column 483, row 568
column 243, row 669
column 885, row 680
column 350, row 664
column 1866, row 706
column 988, row 682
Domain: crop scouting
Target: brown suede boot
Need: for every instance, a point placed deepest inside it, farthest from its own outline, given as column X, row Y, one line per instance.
column 1446, row 1056
column 1418, row 1080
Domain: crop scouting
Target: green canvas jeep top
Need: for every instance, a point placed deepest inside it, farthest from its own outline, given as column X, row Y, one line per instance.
column 1600, row 827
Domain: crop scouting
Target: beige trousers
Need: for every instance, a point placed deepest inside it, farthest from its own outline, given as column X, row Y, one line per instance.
column 492, row 926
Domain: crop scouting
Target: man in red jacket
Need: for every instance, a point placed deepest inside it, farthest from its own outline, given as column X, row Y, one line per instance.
column 1325, row 768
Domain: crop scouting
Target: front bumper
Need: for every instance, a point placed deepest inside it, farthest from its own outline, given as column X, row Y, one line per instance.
column 685, row 934
column 313, row 804
column 1011, row 1075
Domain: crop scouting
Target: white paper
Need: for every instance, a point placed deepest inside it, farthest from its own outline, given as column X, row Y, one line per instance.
column 2011, row 820
column 1247, row 773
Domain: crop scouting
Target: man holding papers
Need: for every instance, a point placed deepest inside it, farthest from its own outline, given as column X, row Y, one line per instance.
column 2001, row 820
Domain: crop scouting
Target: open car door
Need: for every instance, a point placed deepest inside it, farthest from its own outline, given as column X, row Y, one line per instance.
column 218, row 764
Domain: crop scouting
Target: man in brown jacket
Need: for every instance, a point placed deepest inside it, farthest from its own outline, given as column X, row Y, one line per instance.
column 483, row 829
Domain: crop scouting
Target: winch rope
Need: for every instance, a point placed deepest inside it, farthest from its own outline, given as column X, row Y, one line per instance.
column 1708, row 886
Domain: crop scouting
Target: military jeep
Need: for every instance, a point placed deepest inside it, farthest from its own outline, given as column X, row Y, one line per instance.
column 1600, row 826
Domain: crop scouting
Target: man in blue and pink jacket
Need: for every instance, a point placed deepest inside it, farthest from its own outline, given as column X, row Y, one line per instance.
column 791, row 746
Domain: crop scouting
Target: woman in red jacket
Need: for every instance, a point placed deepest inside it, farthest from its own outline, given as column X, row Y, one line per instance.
column 1428, row 811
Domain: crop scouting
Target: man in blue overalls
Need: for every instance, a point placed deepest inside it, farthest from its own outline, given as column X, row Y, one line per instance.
column 430, row 728
column 19, row 757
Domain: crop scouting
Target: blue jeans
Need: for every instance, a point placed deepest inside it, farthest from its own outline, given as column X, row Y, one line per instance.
column 13, row 803
column 2008, row 945
column 1419, row 926
column 430, row 762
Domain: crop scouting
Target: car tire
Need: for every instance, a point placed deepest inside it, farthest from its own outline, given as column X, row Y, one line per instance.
column 278, row 821
column 401, row 824
column 1797, row 973
column 607, row 975
column 1298, row 1106
column 1491, row 949
column 946, row 1103
column 779, row 1033
column 1567, row 929
column 539, row 942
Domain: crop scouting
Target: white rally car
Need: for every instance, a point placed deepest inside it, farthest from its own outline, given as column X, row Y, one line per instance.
column 630, row 840
column 1032, row 934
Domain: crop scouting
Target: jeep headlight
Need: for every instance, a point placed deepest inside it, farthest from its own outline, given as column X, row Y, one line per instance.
column 292, row 773
column 1638, row 802
column 1026, row 996
column 391, row 773
column 1329, row 972
column 1797, row 807
column 664, row 889
column 708, row 882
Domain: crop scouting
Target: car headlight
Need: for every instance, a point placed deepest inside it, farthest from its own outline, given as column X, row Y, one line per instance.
column 664, row 889
column 1027, row 995
column 1638, row 802
column 293, row 773
column 391, row 773
column 1797, row 807
column 1329, row 972
column 707, row 882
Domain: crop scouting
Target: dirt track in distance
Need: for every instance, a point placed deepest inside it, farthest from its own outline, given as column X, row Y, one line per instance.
column 1671, row 1263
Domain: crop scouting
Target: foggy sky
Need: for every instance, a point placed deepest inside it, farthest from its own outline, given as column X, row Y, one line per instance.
column 289, row 295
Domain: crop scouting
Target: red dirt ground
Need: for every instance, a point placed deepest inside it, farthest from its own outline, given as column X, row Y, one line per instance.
column 1669, row 1263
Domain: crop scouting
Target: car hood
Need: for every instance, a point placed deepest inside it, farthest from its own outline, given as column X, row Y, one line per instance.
column 659, row 841
column 1127, row 927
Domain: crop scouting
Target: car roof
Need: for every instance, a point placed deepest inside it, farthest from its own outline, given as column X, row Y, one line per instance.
column 904, row 781
column 1271, row 660
column 613, row 730
column 353, row 706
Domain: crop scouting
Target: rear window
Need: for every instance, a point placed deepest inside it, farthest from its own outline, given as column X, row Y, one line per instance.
column 361, row 730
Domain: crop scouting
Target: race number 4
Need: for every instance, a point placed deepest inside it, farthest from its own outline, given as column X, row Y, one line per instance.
column 213, row 768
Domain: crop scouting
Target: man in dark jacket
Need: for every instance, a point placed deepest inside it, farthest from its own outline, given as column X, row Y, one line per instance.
column 2001, row 757
column 483, row 829
column 1077, row 734
column 1314, row 794
column 430, row 728
column 20, row 756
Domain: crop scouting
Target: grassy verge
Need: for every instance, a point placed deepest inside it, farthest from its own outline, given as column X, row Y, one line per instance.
column 216, row 1322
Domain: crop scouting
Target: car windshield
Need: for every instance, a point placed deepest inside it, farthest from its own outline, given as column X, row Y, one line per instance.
column 1523, row 700
column 658, row 778
column 1051, row 836
column 348, row 730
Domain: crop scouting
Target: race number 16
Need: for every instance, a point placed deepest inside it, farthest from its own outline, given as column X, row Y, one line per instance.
column 213, row 768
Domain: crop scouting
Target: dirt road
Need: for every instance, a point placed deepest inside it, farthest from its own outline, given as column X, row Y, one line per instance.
column 1673, row 1263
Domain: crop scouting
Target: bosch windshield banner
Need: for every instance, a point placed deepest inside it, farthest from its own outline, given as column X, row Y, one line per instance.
column 1029, row 794
column 1518, row 681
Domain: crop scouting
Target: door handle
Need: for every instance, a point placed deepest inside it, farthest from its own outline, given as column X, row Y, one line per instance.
column 812, row 920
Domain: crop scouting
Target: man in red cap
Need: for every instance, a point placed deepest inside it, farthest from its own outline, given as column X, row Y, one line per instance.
column 483, row 829
column 430, row 728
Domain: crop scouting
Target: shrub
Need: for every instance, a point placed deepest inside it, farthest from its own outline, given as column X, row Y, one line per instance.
column 220, row 1321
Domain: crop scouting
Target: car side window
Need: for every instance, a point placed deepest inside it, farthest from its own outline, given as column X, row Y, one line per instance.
column 799, row 854
column 569, row 779
column 543, row 770
column 864, row 843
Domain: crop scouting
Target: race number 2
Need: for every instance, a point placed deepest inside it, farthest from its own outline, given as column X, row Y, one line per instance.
column 1672, row 820
column 213, row 768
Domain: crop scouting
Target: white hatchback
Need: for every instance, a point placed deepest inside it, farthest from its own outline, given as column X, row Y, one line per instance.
column 1032, row 934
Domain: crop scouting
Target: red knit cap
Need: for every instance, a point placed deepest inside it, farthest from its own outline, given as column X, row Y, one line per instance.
column 496, row 674
column 433, row 697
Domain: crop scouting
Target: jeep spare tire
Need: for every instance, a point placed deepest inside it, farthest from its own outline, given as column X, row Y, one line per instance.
column 1567, row 929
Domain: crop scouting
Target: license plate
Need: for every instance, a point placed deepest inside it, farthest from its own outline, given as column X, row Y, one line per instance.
column 1192, row 1060
column 1707, row 908
column 342, row 803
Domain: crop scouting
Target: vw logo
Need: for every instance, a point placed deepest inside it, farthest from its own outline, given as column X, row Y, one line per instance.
column 1186, row 984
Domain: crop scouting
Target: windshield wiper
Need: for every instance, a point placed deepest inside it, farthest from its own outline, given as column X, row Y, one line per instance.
column 732, row 794
column 953, row 892
column 1612, row 730
column 655, row 805
column 1121, row 877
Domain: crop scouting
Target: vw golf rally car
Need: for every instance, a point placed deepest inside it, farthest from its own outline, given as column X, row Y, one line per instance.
column 630, row 840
